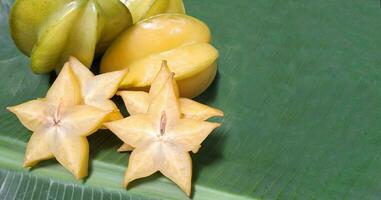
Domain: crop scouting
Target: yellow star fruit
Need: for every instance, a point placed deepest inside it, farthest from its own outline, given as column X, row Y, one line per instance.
column 61, row 121
column 182, row 40
column 137, row 102
column 162, row 138
column 97, row 90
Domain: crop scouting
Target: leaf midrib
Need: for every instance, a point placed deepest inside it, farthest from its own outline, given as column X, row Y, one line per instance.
column 13, row 164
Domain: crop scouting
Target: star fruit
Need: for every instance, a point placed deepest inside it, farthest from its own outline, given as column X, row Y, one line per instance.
column 182, row 40
column 60, row 124
column 162, row 139
column 137, row 102
column 142, row 9
column 51, row 31
column 97, row 90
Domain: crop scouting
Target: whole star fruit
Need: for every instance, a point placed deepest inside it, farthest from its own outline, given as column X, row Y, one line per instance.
column 51, row 31
column 180, row 39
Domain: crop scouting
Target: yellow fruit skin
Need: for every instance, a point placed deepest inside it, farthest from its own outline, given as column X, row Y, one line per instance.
column 138, row 8
column 195, row 85
column 158, row 7
column 165, row 37
column 193, row 65
column 176, row 6
column 165, row 6
column 49, row 31
column 25, row 24
column 154, row 35
column 143, row 9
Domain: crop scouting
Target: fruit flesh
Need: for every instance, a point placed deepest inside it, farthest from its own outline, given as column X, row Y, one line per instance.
column 137, row 102
column 97, row 90
column 162, row 139
column 60, row 125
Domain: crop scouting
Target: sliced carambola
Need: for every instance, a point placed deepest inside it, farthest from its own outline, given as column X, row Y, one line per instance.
column 60, row 125
column 161, row 139
column 137, row 102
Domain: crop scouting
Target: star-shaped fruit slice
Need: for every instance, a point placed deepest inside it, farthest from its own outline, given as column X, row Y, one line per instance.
column 97, row 90
column 162, row 139
column 137, row 102
column 60, row 125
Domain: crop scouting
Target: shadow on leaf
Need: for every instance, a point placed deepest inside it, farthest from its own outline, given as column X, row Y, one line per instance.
column 102, row 144
column 142, row 181
column 209, row 154
column 45, row 164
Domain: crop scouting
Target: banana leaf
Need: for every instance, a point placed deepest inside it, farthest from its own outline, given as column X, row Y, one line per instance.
column 299, row 82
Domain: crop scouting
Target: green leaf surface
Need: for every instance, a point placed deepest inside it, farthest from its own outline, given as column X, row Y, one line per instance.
column 299, row 82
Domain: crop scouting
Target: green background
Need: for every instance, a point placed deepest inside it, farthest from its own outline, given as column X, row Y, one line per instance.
column 299, row 82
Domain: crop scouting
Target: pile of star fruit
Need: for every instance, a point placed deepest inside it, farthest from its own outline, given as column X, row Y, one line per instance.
column 157, row 64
